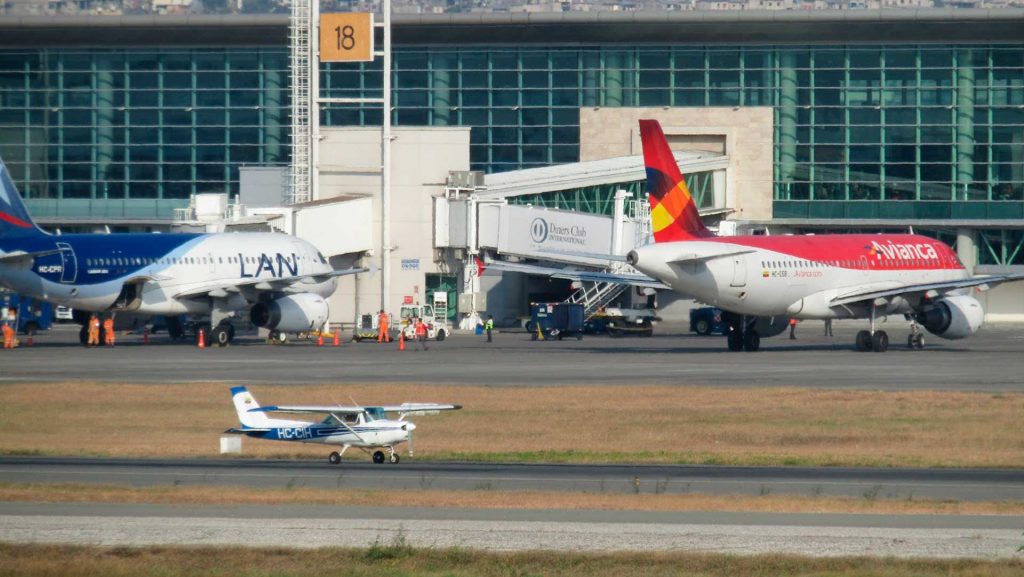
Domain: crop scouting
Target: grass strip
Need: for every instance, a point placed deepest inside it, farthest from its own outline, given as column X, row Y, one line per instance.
column 198, row 495
column 399, row 560
column 573, row 424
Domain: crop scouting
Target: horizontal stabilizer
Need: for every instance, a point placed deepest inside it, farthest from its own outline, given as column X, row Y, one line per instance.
column 20, row 254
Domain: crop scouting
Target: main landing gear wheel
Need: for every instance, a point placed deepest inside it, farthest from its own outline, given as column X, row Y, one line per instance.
column 220, row 336
column 334, row 458
column 735, row 341
column 880, row 342
column 863, row 341
column 378, row 457
column 393, row 459
column 751, row 341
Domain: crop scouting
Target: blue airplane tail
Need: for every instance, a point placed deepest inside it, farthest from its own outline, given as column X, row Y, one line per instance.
column 244, row 403
column 15, row 221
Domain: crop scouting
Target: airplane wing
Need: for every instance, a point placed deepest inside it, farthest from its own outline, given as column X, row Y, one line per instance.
column 983, row 282
column 570, row 274
column 20, row 254
column 234, row 431
column 315, row 409
column 693, row 258
column 408, row 408
column 219, row 290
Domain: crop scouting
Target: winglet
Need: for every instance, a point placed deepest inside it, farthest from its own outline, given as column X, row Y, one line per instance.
column 674, row 214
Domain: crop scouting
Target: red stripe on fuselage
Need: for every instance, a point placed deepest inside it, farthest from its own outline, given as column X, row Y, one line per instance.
column 14, row 220
column 854, row 251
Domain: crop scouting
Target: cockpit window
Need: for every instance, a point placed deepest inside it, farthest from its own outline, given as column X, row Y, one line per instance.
column 321, row 257
column 374, row 413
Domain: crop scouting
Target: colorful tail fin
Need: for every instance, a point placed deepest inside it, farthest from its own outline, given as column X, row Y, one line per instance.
column 15, row 221
column 244, row 402
column 674, row 215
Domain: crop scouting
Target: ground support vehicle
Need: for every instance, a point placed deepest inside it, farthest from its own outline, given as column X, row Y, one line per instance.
column 620, row 322
column 369, row 328
column 30, row 315
column 437, row 324
column 707, row 320
column 555, row 321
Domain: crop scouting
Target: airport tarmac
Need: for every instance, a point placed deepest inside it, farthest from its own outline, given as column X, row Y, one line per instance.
column 821, row 535
column 990, row 361
column 358, row 473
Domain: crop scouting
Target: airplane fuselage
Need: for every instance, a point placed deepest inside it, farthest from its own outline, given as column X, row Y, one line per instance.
column 90, row 271
column 378, row 433
column 799, row 276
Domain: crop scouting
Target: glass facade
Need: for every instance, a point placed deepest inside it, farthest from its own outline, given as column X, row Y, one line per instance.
column 864, row 131
column 136, row 125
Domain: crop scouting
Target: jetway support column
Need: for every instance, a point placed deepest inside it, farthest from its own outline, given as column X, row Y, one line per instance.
column 967, row 248
column 618, row 217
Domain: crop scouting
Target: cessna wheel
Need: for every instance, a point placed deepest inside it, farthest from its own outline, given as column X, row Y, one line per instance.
column 394, row 458
column 334, row 458
column 378, row 457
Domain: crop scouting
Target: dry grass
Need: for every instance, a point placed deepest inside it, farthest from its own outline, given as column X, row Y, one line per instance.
column 498, row 500
column 571, row 424
column 399, row 560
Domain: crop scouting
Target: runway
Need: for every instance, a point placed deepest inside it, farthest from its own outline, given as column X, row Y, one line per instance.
column 939, row 484
column 991, row 361
column 934, row 536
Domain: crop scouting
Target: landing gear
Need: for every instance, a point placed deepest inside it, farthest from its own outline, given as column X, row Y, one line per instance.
column 872, row 340
column 378, row 457
column 334, row 458
column 742, row 336
column 751, row 341
column 915, row 340
column 393, row 459
column 221, row 335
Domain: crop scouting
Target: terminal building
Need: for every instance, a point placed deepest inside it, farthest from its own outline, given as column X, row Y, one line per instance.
column 788, row 122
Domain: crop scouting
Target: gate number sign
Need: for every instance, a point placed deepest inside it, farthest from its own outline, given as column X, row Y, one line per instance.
column 346, row 37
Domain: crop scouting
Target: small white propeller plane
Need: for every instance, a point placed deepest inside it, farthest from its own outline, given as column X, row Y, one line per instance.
column 366, row 428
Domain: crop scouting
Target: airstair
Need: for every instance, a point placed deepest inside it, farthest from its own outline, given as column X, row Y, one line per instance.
column 596, row 295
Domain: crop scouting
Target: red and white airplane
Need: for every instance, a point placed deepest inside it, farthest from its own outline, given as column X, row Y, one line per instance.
column 834, row 276
column 760, row 282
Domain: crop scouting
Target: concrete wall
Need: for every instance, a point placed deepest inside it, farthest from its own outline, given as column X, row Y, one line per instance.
column 421, row 159
column 748, row 133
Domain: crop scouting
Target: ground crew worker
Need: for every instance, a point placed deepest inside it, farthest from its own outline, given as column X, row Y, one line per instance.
column 94, row 331
column 382, row 328
column 8, row 336
column 421, row 333
column 108, row 331
column 489, row 326
column 792, row 329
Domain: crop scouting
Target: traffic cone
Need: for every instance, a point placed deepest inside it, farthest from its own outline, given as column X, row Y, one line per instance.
column 337, row 338
column 320, row 340
column 202, row 339
column 401, row 340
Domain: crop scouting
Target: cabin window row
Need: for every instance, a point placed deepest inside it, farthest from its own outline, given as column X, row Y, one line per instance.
column 144, row 261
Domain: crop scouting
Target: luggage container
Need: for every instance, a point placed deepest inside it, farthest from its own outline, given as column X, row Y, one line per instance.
column 555, row 321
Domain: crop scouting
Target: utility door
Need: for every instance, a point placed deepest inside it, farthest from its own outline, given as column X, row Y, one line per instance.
column 69, row 264
column 739, row 270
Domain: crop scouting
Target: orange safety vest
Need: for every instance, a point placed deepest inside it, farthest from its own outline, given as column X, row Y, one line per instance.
column 421, row 329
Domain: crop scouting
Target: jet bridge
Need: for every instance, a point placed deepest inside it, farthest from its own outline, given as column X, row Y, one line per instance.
column 564, row 215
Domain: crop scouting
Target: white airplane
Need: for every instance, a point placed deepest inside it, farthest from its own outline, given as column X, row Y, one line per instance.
column 366, row 428
column 280, row 280
column 760, row 282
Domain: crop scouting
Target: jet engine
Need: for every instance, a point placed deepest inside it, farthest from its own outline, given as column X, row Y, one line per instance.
column 291, row 314
column 952, row 317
